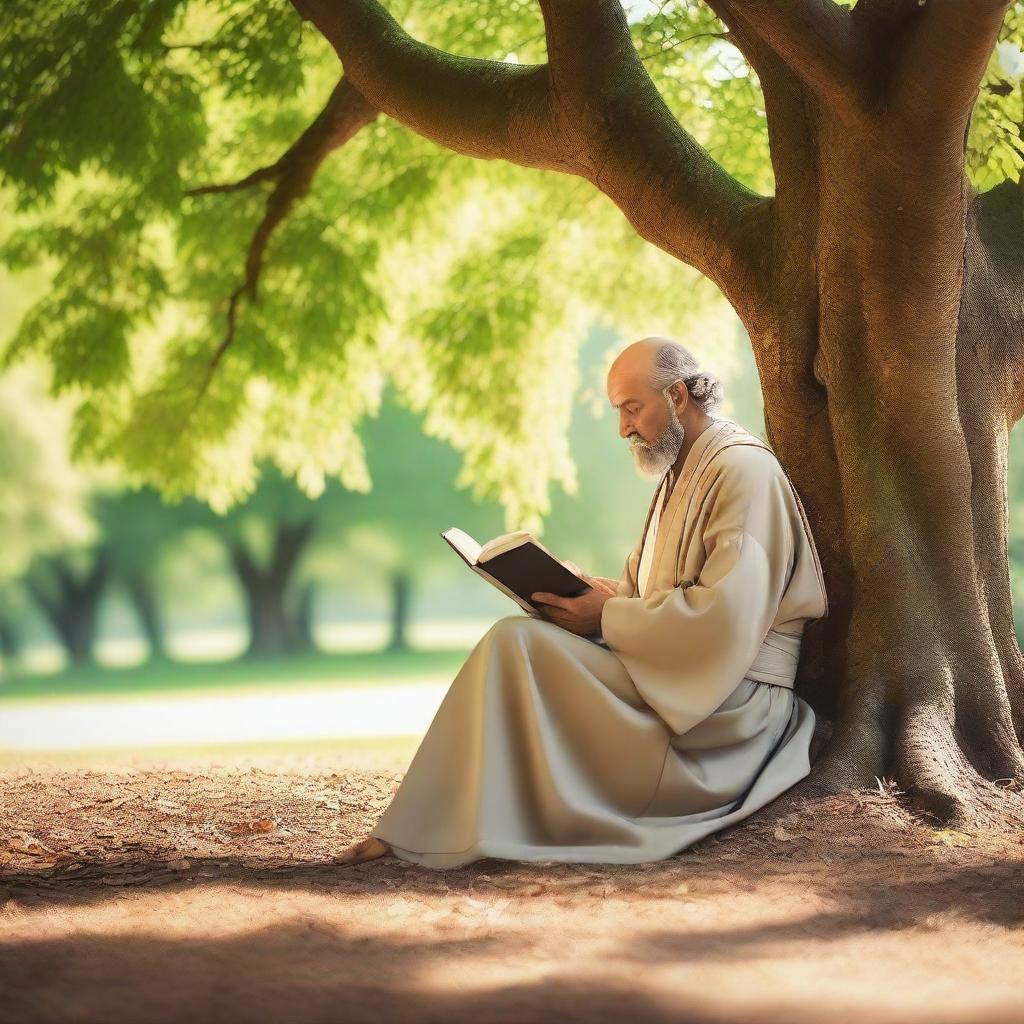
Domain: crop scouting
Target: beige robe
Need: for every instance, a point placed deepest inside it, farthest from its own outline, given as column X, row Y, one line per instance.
column 549, row 746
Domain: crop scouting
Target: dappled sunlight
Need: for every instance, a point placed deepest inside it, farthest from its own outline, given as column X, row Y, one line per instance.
column 210, row 893
column 744, row 957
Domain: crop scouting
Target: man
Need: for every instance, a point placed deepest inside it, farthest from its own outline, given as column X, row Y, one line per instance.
column 683, row 720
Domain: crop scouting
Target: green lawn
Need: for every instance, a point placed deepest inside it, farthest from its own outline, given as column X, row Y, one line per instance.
column 265, row 673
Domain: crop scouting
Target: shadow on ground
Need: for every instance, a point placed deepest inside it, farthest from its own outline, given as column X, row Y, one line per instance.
column 211, row 896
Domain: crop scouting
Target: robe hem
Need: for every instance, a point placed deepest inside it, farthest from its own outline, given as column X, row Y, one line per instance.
column 750, row 801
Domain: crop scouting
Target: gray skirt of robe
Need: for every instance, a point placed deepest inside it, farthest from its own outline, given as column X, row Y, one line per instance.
column 543, row 749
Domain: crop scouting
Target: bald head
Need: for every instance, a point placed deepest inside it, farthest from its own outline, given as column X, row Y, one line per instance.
column 637, row 359
column 643, row 366
column 648, row 385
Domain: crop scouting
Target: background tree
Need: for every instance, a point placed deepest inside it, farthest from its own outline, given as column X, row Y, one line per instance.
column 266, row 538
column 875, row 262
column 138, row 528
column 43, row 503
column 417, row 492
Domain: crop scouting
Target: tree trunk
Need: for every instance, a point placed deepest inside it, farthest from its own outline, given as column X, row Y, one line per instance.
column 10, row 641
column 885, row 406
column 275, row 625
column 303, row 641
column 142, row 595
column 269, row 633
column 71, row 603
column 401, row 585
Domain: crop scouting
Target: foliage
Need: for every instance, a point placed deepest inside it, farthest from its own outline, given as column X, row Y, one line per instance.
column 995, row 144
column 43, row 498
column 469, row 285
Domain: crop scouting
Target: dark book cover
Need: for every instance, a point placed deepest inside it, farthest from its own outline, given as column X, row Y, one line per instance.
column 527, row 569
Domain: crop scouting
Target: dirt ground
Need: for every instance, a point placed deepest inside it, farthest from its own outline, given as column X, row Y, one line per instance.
column 206, row 893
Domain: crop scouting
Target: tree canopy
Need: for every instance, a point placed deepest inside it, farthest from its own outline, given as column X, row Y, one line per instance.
column 239, row 257
column 225, row 287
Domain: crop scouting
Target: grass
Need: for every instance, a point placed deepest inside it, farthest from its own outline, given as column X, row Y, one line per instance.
column 166, row 676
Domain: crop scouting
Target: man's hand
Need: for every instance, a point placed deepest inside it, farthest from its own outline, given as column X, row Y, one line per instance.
column 598, row 582
column 580, row 615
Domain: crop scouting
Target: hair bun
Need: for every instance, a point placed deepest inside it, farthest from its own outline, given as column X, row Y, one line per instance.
column 705, row 389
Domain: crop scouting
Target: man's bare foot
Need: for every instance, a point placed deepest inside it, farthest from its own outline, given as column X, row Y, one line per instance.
column 366, row 849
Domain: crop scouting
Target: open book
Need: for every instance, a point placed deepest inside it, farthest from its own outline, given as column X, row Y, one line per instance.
column 518, row 565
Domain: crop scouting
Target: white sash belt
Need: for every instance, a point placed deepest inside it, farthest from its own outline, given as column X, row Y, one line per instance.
column 777, row 659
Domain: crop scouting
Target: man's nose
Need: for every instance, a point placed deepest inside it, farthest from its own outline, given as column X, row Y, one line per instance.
column 625, row 428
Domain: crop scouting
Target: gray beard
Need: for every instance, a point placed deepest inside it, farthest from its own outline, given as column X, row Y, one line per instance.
column 653, row 459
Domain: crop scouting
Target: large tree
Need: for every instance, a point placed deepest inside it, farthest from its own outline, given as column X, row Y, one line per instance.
column 877, row 265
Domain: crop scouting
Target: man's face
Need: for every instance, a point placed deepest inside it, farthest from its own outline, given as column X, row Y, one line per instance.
column 648, row 420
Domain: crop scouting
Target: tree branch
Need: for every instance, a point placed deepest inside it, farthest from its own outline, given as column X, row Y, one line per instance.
column 815, row 38
column 344, row 114
column 636, row 152
column 591, row 111
column 244, row 564
column 481, row 108
column 943, row 58
column 289, row 540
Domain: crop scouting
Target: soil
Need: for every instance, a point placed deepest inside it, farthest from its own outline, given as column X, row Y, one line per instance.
column 206, row 892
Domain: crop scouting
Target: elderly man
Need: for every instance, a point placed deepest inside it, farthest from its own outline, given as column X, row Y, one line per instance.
column 682, row 718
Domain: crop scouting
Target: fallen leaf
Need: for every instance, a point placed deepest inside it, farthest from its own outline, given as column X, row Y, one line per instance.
column 254, row 827
column 950, row 837
column 29, row 845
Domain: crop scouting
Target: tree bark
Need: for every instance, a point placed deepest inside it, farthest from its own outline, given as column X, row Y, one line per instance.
column 888, row 398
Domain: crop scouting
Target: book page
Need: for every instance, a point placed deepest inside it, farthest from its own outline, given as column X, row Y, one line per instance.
column 506, row 542
column 463, row 544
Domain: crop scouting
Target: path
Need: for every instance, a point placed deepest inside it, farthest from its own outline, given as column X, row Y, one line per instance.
column 310, row 713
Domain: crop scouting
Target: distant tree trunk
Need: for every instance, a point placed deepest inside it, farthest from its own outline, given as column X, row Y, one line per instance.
column 401, row 585
column 302, row 624
column 71, row 604
column 10, row 640
column 274, row 628
column 142, row 594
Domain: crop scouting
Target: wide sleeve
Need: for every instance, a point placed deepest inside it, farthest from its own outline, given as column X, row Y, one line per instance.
column 687, row 648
